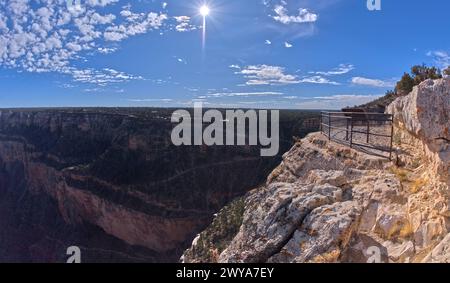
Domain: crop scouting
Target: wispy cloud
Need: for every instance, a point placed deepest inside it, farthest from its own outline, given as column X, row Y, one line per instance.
column 318, row 80
column 372, row 82
column 242, row 94
column 101, row 77
column 303, row 15
column 184, row 24
column 181, row 60
column 340, row 70
column 165, row 100
column 346, row 97
column 288, row 45
column 266, row 75
column 106, row 50
column 336, row 101
column 441, row 58
column 276, row 75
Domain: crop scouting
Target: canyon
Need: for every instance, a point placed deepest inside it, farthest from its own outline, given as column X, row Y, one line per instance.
column 110, row 181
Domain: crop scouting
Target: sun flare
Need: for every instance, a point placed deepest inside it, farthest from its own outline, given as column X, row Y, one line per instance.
column 204, row 10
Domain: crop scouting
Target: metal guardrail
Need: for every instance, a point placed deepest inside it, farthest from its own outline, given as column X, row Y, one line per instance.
column 372, row 131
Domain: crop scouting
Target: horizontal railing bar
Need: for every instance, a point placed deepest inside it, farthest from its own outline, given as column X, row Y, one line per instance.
column 337, row 128
column 378, row 119
column 372, row 134
column 358, row 113
column 372, row 147
column 357, row 132
column 364, row 145
column 336, row 118
column 373, row 121
column 357, row 119
column 339, row 117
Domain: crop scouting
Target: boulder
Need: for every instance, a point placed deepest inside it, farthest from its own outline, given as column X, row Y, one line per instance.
column 400, row 252
column 441, row 253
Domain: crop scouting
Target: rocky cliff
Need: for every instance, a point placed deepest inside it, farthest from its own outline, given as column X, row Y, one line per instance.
column 111, row 182
column 328, row 203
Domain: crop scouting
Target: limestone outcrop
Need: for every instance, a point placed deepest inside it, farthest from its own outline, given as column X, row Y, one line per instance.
column 329, row 203
column 424, row 115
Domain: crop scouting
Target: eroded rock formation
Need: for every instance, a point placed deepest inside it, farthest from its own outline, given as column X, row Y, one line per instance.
column 111, row 182
column 328, row 203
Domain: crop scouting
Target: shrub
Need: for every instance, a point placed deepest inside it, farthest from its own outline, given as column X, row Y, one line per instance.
column 405, row 85
column 447, row 71
column 419, row 73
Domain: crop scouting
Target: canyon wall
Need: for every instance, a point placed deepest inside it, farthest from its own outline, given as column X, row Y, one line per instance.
column 111, row 182
column 327, row 202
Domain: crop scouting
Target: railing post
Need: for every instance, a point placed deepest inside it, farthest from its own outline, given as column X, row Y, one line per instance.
column 368, row 130
column 392, row 137
column 321, row 122
column 329, row 126
column 346, row 133
column 351, row 132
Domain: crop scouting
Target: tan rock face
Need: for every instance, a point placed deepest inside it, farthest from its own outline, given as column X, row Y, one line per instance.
column 314, row 204
column 441, row 253
column 425, row 114
column 329, row 203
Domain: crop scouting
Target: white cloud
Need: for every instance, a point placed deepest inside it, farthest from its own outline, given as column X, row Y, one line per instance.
column 106, row 50
column 49, row 35
column 242, row 94
column 288, row 45
column 165, row 100
column 336, row 101
column 100, row 77
column 267, row 75
column 183, row 24
column 303, row 16
column 276, row 75
column 268, row 42
column 341, row 70
column 318, row 80
column 182, row 61
column 372, row 82
column 137, row 24
column 347, row 97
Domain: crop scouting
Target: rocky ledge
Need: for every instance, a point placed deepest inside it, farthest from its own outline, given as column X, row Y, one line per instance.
column 328, row 203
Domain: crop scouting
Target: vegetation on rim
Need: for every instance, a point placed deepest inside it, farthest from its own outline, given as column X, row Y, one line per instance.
column 418, row 74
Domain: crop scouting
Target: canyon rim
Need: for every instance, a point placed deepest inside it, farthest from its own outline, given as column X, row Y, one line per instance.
column 328, row 203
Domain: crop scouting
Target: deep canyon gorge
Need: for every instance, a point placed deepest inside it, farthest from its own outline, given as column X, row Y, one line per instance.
column 110, row 182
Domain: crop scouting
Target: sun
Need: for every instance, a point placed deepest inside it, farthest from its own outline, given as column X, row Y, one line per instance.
column 204, row 10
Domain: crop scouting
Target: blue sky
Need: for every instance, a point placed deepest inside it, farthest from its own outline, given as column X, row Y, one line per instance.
column 301, row 54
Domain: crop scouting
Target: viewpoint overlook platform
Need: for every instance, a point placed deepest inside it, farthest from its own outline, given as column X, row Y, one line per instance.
column 369, row 132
